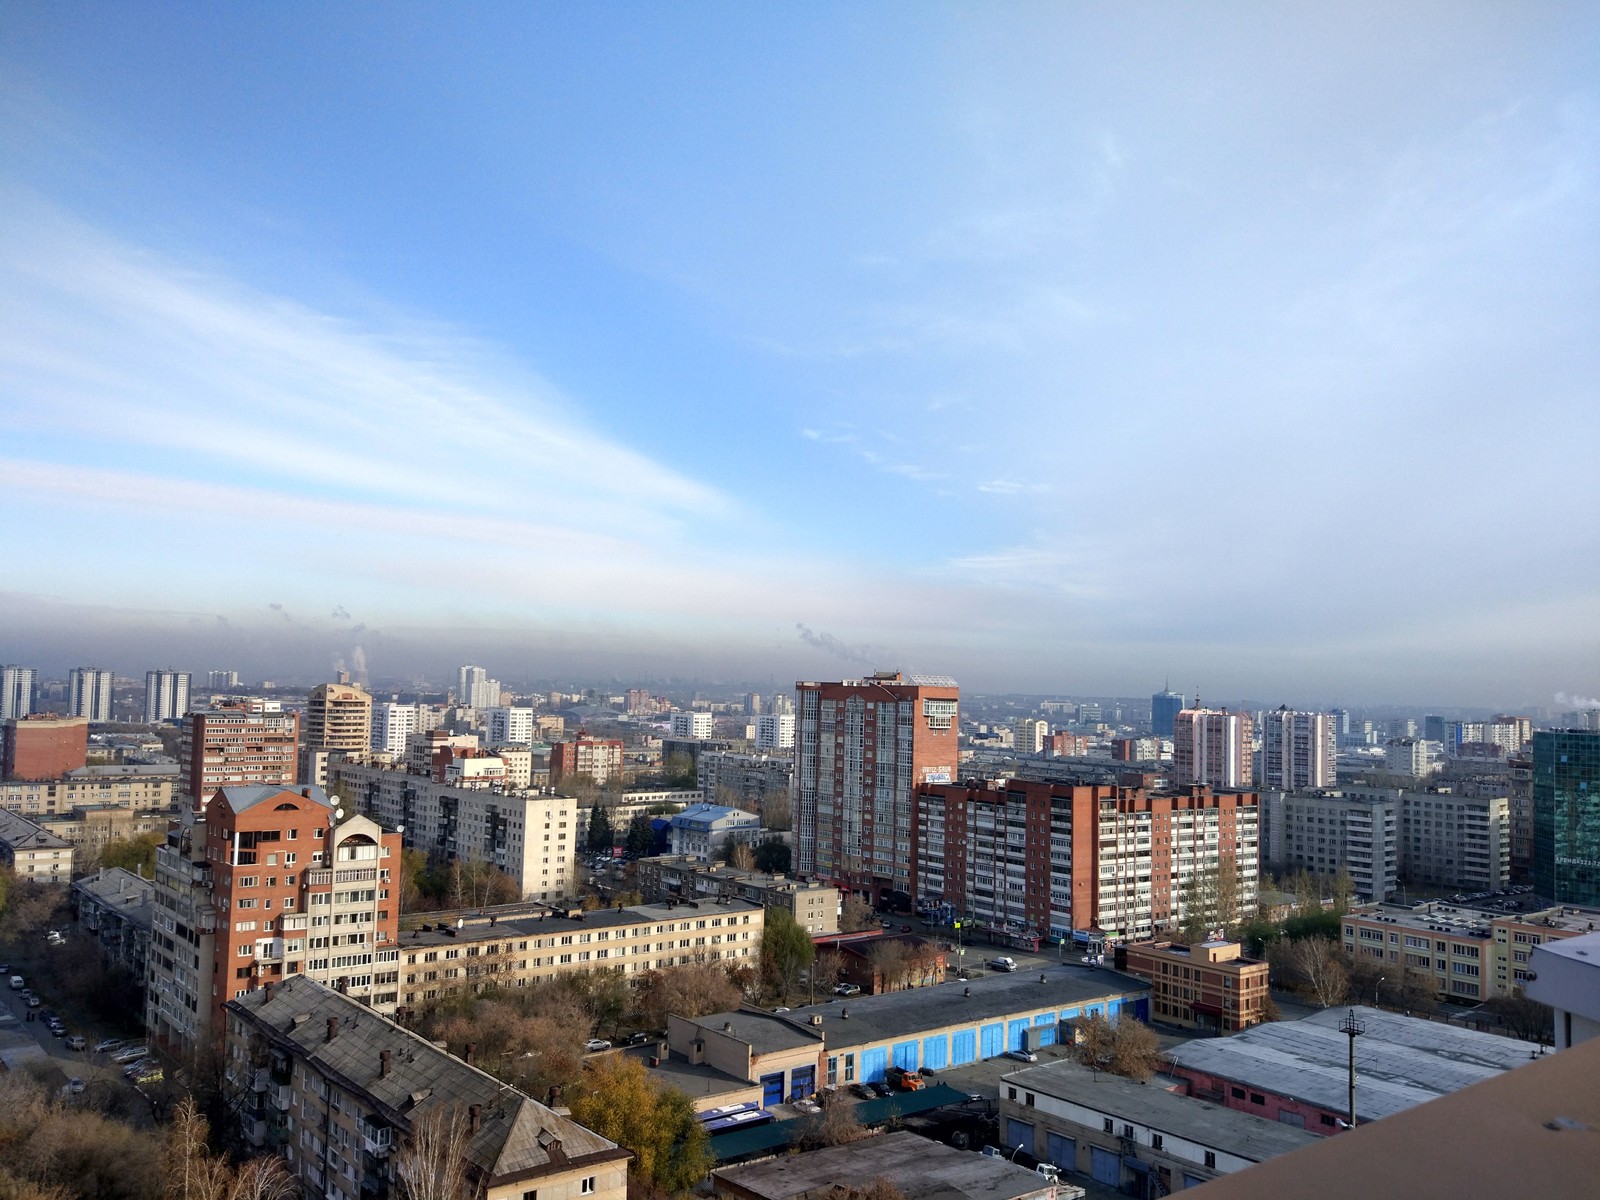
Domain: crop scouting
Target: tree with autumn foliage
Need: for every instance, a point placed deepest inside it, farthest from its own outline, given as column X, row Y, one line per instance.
column 618, row 1100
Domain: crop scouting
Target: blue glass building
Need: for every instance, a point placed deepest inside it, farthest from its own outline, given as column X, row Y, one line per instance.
column 1566, row 815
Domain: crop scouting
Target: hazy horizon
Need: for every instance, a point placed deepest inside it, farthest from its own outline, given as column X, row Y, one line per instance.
column 1054, row 348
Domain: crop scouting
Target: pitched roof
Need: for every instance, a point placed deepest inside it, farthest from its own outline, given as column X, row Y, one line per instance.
column 241, row 798
column 516, row 1137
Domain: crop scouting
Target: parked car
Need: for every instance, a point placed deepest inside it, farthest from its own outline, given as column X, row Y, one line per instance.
column 151, row 1075
column 807, row 1105
column 34, row 1002
column 1003, row 963
column 58, row 1030
column 110, row 1044
column 76, row 1086
column 130, row 1054
column 1022, row 1055
column 638, row 1039
column 847, row 989
column 76, row 1043
column 594, row 1045
column 880, row 1090
column 5, row 968
column 861, row 1091
column 905, row 929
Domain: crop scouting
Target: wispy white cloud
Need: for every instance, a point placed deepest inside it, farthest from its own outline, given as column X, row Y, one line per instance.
column 108, row 344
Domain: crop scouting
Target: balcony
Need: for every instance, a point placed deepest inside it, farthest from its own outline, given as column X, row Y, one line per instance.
column 377, row 1140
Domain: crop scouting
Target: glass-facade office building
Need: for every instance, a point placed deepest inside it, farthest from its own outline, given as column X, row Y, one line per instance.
column 1566, row 815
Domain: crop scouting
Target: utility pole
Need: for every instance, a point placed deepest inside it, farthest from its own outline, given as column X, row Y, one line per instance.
column 1352, row 1027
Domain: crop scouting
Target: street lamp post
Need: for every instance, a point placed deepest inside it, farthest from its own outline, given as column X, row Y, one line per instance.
column 1375, row 988
column 1352, row 1027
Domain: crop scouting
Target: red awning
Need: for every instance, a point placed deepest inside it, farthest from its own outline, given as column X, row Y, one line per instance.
column 1211, row 1010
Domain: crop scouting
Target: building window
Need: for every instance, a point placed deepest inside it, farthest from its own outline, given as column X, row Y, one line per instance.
column 1237, row 1093
column 1155, row 1141
column 1211, row 1158
column 1110, row 1128
column 532, row 1194
column 588, row 1185
column 1257, row 1098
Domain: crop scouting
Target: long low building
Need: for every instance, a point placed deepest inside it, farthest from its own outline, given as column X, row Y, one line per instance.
column 1297, row 1072
column 118, row 907
column 469, row 952
column 143, row 788
column 777, row 1056
column 814, row 904
column 34, row 853
column 1120, row 1132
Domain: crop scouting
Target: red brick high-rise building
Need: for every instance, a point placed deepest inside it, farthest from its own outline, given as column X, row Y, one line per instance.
column 43, row 747
column 238, row 745
column 862, row 747
column 598, row 758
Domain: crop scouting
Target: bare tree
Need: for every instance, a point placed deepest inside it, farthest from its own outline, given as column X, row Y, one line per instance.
column 888, row 957
column 742, row 858
column 1319, row 964
column 835, row 1125
column 433, row 1163
column 689, row 991
column 191, row 1172
column 856, row 915
column 1127, row 1048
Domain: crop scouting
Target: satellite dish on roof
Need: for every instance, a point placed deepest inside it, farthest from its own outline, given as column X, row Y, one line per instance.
column 338, row 814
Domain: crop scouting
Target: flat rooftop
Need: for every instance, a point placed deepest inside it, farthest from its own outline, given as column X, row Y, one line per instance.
column 909, row 1013
column 922, row 1169
column 1400, row 1061
column 525, row 924
column 1200, row 1121
column 1530, row 1132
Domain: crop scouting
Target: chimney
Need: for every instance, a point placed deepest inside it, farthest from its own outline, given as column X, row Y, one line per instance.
column 333, row 1028
column 305, row 793
column 266, row 992
column 383, row 1064
column 474, row 1112
column 471, row 1052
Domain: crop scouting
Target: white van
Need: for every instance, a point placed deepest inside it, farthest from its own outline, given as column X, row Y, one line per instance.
column 1004, row 963
column 18, row 983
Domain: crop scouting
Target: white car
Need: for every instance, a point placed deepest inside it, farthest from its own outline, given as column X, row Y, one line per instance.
column 131, row 1054
column 76, row 1086
column 594, row 1045
column 1022, row 1055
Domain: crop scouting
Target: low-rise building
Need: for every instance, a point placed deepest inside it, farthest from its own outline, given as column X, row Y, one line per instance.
column 338, row 1092
column 143, row 788
column 91, row 828
column 919, row 1168
column 814, row 905
column 1121, row 1132
column 623, row 808
column 1211, row 985
column 117, row 907
column 701, row 830
column 878, row 963
column 859, row 1039
column 456, row 953
column 32, row 852
column 1297, row 1072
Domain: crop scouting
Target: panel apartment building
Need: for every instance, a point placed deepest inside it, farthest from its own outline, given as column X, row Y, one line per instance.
column 1053, row 858
column 862, row 747
column 338, row 1097
column 532, row 837
column 268, row 883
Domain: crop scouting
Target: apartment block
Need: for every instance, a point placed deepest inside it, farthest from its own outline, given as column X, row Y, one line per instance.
column 751, row 781
column 315, row 1079
column 1021, row 855
column 700, row 830
column 1030, row 735
column 1298, row 750
column 695, row 725
column 531, row 837
column 117, row 907
column 338, row 723
column 166, row 696
column 264, row 884
column 17, row 688
column 814, row 905
column 33, row 852
column 143, row 789
column 249, row 744
column 775, row 731
column 598, row 758
column 43, row 746
column 467, row 952
column 862, row 747
column 89, row 692
column 1327, row 832
column 1210, row 985
column 1455, row 841
column 89, row 828
column 1212, row 746
column 392, row 724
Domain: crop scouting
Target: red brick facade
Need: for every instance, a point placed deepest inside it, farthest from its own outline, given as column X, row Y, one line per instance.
column 44, row 747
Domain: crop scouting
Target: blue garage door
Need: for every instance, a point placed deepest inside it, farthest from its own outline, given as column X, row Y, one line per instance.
column 992, row 1040
column 1014, row 1033
column 1019, row 1136
column 905, row 1055
column 1063, row 1151
column 1105, row 1167
column 771, row 1090
column 1045, row 1023
column 802, row 1081
column 874, row 1063
column 936, row 1052
column 963, row 1047
column 1141, row 1009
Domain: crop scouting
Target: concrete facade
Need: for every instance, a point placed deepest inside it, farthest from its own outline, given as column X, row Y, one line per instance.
column 813, row 905
column 33, row 852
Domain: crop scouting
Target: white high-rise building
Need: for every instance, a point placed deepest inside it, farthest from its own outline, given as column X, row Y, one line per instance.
column 475, row 689
column 1298, row 751
column 89, row 693
column 1212, row 746
column 1030, row 735
column 695, row 725
column 775, row 731
column 166, row 696
column 392, row 724
column 503, row 726
column 17, row 686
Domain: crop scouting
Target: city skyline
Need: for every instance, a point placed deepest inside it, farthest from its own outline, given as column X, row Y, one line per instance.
column 792, row 344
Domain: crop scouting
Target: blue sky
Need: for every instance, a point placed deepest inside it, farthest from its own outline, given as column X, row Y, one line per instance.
column 1055, row 347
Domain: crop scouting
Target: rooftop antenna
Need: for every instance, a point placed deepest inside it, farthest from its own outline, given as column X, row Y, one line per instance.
column 1352, row 1027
